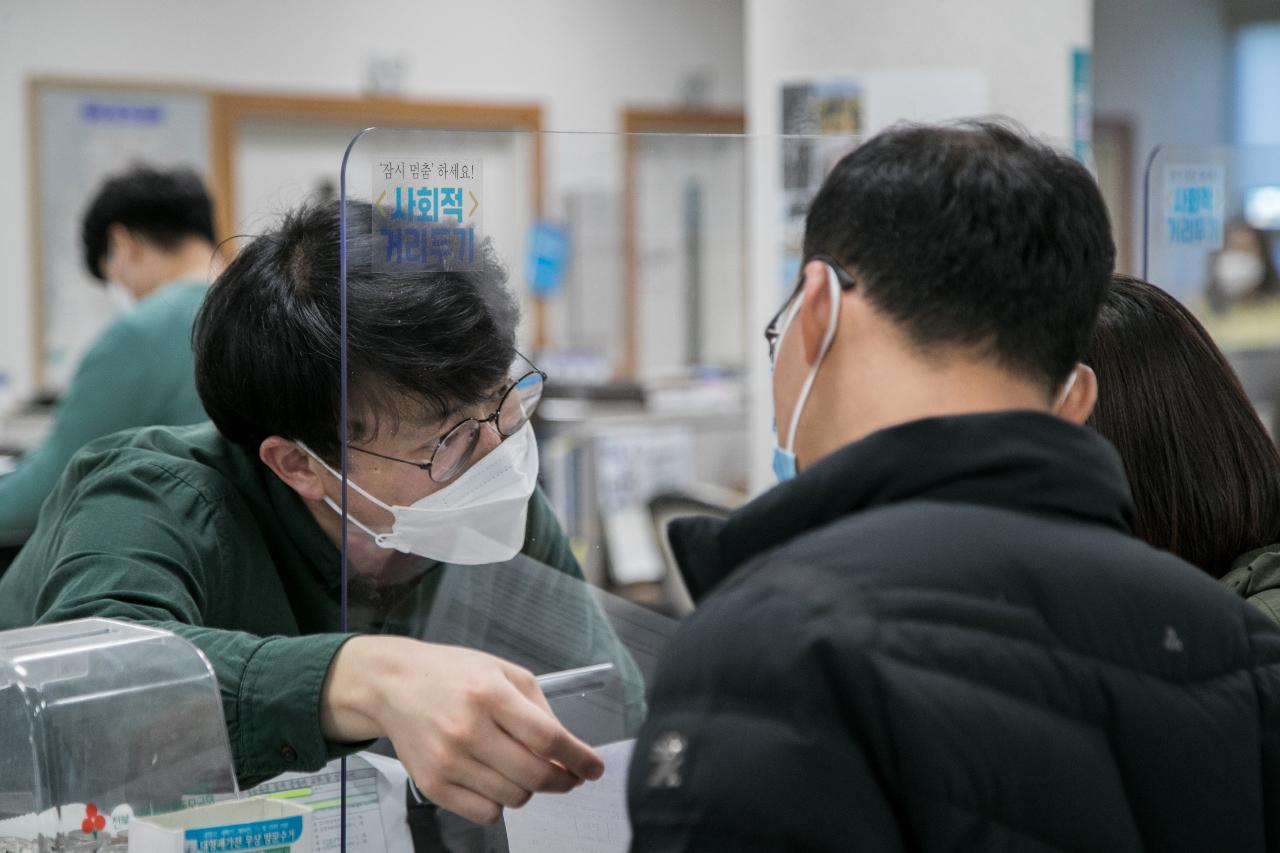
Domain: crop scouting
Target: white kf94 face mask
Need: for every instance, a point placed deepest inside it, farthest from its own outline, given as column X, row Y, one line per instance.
column 478, row 518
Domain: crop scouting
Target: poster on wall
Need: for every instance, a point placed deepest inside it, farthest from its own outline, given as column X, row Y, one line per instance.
column 822, row 120
column 812, row 110
column 84, row 134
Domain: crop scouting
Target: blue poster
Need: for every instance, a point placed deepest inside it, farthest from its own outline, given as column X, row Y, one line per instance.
column 547, row 259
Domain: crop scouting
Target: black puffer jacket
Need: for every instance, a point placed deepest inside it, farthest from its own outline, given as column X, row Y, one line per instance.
column 942, row 637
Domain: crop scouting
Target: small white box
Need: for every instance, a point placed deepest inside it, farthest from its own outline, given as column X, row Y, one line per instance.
column 235, row 826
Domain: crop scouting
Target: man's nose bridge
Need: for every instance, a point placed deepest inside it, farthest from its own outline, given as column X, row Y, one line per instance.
column 489, row 438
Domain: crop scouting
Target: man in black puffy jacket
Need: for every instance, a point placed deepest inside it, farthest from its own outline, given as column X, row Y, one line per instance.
column 940, row 634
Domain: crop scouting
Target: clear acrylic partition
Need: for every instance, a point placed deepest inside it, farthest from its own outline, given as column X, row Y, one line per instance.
column 645, row 267
column 1212, row 221
column 630, row 260
column 102, row 721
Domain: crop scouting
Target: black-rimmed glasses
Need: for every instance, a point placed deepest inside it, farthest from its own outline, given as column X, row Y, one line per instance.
column 454, row 451
column 847, row 282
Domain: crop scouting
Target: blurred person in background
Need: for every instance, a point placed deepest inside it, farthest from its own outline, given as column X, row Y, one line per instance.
column 147, row 235
column 1243, row 272
column 1204, row 473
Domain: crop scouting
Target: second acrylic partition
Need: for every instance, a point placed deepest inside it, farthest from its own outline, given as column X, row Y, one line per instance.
column 1212, row 218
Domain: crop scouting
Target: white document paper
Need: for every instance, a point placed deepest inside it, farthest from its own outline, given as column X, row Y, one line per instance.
column 393, row 782
column 590, row 819
column 634, row 555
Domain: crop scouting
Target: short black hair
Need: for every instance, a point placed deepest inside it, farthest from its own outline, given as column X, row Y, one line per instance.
column 162, row 207
column 1205, row 475
column 420, row 342
column 974, row 236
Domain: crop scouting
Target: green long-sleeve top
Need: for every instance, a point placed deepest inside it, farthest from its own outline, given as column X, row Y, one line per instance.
column 140, row 371
column 179, row 528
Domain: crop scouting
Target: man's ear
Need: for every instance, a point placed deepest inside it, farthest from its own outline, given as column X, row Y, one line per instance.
column 1078, row 404
column 121, row 244
column 815, row 309
column 293, row 466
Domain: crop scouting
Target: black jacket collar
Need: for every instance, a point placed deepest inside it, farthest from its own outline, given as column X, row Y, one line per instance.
column 1022, row 460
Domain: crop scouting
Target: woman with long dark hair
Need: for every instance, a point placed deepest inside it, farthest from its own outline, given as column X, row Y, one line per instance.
column 1205, row 474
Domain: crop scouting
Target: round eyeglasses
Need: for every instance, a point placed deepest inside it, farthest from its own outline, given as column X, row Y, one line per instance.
column 454, row 451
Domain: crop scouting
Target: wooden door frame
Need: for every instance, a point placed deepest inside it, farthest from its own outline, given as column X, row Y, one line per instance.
column 231, row 110
column 1122, row 129
column 228, row 109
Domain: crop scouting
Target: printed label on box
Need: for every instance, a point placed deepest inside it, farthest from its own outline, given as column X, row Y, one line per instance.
column 278, row 833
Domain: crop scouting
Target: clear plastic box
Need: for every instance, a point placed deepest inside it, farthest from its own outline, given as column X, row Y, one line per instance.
column 100, row 721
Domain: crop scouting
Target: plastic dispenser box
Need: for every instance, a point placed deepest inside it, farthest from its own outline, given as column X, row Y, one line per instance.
column 102, row 721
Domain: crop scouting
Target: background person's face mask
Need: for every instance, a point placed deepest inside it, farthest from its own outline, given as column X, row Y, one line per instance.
column 784, row 456
column 121, row 297
column 477, row 518
column 1238, row 272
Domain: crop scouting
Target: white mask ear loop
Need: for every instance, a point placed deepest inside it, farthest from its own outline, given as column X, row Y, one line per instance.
column 791, row 315
column 338, row 477
column 333, row 505
column 833, row 284
column 1066, row 388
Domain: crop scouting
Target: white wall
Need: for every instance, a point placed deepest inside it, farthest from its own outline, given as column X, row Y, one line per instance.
column 1021, row 47
column 583, row 60
column 1257, row 68
column 1166, row 65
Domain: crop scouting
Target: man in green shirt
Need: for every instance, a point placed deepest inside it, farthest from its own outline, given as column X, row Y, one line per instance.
column 228, row 534
column 150, row 234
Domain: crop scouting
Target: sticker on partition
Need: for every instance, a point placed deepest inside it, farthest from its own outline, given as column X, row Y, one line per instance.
column 1193, row 205
column 428, row 211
